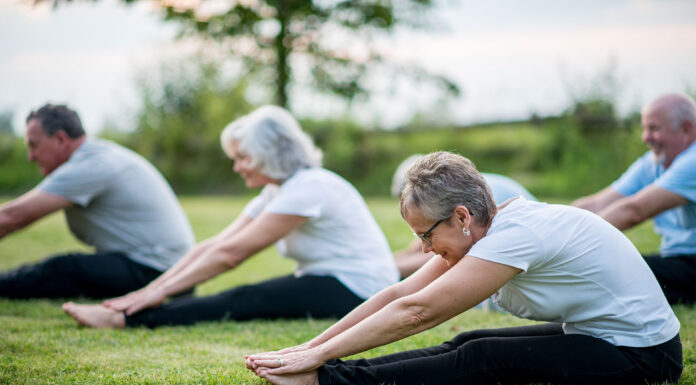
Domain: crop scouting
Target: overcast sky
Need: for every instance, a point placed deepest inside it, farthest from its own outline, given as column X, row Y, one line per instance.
column 511, row 58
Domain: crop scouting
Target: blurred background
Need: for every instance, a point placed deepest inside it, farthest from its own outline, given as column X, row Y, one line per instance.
column 547, row 92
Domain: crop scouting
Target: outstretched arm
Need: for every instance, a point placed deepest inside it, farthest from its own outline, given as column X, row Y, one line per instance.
column 598, row 201
column 126, row 301
column 464, row 285
column 29, row 207
column 222, row 255
column 648, row 202
column 433, row 269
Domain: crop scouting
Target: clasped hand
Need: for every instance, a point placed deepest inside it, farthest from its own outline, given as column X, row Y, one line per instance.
column 299, row 359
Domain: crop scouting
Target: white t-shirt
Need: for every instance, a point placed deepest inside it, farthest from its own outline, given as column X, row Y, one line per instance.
column 577, row 269
column 341, row 237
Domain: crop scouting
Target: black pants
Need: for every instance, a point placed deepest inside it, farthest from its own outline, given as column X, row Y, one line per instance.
column 285, row 297
column 676, row 275
column 519, row 355
column 77, row 275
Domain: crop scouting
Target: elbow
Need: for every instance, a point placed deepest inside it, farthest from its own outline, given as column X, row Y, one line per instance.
column 415, row 316
column 229, row 255
column 634, row 216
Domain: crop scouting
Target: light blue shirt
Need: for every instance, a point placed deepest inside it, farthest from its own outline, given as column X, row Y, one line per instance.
column 676, row 226
column 504, row 188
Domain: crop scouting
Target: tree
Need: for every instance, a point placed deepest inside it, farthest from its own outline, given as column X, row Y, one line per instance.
column 184, row 107
column 327, row 39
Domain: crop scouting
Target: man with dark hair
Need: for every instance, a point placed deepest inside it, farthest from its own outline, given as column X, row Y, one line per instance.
column 661, row 184
column 113, row 199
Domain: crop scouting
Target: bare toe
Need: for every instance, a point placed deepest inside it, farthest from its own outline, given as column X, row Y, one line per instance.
column 95, row 316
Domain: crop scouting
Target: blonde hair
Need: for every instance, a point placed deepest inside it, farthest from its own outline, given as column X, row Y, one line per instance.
column 440, row 181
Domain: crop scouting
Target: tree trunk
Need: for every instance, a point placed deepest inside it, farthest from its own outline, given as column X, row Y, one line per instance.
column 282, row 52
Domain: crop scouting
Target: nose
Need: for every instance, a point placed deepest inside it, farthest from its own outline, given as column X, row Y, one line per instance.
column 426, row 247
column 646, row 136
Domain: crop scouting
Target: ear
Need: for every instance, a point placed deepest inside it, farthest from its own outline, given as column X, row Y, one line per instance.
column 688, row 128
column 62, row 137
column 462, row 216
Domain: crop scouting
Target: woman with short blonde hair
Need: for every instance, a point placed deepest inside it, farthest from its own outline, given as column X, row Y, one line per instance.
column 607, row 320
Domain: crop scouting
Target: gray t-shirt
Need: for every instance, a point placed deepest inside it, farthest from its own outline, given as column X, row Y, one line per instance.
column 121, row 203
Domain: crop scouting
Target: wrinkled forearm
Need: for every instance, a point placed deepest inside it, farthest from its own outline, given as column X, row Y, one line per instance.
column 397, row 320
column 212, row 262
column 364, row 310
column 623, row 215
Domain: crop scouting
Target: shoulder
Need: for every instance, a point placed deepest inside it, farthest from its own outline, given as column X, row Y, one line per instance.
column 312, row 178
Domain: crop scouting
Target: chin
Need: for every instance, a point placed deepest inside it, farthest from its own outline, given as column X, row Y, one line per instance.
column 660, row 158
column 254, row 185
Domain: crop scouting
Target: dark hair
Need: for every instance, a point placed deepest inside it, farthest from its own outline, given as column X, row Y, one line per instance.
column 58, row 117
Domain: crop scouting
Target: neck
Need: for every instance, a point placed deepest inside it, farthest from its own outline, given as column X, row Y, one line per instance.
column 75, row 144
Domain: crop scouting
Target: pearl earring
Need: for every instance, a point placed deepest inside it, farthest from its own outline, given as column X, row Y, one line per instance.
column 466, row 231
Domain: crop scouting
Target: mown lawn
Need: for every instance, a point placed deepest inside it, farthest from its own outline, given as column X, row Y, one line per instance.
column 41, row 345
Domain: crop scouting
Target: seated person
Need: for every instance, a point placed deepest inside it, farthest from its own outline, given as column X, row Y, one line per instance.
column 412, row 257
column 312, row 215
column 113, row 199
column 607, row 320
column 661, row 184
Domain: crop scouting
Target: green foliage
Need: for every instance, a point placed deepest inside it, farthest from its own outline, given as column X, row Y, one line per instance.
column 553, row 156
column 179, row 124
column 16, row 172
column 6, row 128
column 41, row 345
column 279, row 38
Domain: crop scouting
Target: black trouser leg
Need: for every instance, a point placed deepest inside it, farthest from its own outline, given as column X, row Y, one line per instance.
column 532, row 354
column 285, row 297
column 676, row 276
column 77, row 275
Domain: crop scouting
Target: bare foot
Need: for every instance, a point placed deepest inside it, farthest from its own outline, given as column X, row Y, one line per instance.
column 310, row 378
column 95, row 316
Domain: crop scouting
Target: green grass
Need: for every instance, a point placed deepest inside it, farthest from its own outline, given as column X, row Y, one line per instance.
column 39, row 344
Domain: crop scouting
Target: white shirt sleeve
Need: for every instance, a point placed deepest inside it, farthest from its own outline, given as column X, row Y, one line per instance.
column 511, row 244
column 78, row 182
column 298, row 196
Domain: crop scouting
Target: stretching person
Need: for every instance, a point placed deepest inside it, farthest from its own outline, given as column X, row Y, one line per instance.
column 411, row 258
column 661, row 185
column 314, row 216
column 113, row 199
column 608, row 319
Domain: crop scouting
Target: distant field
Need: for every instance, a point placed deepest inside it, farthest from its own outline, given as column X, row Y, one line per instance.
column 41, row 345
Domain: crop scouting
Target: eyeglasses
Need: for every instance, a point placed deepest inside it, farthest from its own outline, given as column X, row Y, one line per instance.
column 426, row 235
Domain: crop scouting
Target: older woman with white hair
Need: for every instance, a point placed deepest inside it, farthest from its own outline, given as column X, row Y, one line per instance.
column 607, row 319
column 312, row 215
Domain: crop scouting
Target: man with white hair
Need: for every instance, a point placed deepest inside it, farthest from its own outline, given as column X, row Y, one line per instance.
column 113, row 199
column 661, row 184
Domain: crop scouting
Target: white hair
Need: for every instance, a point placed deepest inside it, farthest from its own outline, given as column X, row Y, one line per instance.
column 399, row 178
column 684, row 110
column 680, row 107
column 273, row 140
